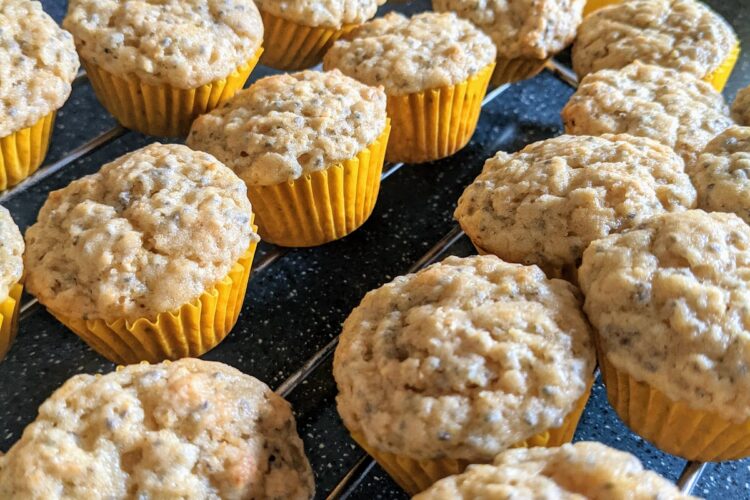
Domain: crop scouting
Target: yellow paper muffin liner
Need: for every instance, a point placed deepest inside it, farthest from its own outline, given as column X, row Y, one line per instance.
column 190, row 331
column 517, row 69
column 9, row 309
column 436, row 123
column 415, row 476
column 22, row 152
column 673, row 426
column 593, row 5
column 718, row 78
column 293, row 46
column 162, row 109
column 322, row 206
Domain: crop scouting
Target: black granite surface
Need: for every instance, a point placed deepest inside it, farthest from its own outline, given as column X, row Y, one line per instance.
column 295, row 305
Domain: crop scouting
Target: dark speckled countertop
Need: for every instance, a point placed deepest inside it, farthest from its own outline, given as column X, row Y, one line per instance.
column 298, row 299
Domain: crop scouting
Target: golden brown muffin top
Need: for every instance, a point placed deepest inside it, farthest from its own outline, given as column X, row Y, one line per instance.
column 11, row 253
column 324, row 13
column 741, row 107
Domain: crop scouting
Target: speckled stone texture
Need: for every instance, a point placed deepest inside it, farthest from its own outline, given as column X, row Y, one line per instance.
column 296, row 305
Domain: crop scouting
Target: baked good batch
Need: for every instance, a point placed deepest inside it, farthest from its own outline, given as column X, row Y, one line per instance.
column 11, row 271
column 157, row 65
column 582, row 470
column 527, row 33
column 189, row 429
column 460, row 361
column 741, row 107
column 149, row 258
column 721, row 173
column 299, row 32
column 310, row 147
column 544, row 204
column 684, row 35
column 38, row 63
column 635, row 100
column 434, row 68
column 668, row 301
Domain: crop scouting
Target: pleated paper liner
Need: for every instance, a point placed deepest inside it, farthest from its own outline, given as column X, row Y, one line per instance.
column 516, row 70
column 22, row 152
column 593, row 5
column 674, row 426
column 322, row 206
column 9, row 309
column 436, row 123
column 162, row 110
column 719, row 77
column 415, row 476
column 293, row 46
column 190, row 331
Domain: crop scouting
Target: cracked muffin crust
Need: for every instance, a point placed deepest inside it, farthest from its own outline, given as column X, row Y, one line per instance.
column 462, row 359
column 521, row 29
column 325, row 13
column 289, row 125
column 585, row 470
column 182, row 43
column 684, row 35
column 11, row 253
column 38, row 63
column 408, row 55
column 741, row 107
column 189, row 429
column 669, row 302
column 148, row 233
column 721, row 173
column 672, row 108
column 545, row 204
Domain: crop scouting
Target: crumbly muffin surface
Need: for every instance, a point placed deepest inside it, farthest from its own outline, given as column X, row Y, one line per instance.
column 289, row 125
column 648, row 101
column 535, row 29
column 408, row 55
column 38, row 62
column 721, row 173
column 546, row 203
column 684, row 35
column 324, row 13
column 190, row 429
column 11, row 253
column 182, row 43
column 741, row 107
column 585, row 470
column 669, row 302
column 149, row 232
column 462, row 359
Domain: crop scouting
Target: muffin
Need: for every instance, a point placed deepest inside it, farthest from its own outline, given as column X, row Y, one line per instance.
column 460, row 361
column 157, row 65
column 190, row 429
column 669, row 301
column 11, row 272
column 527, row 33
column 38, row 63
column 594, row 5
column 721, row 173
column 585, row 470
column 546, row 203
column 435, row 69
column 684, row 35
column 633, row 100
column 299, row 32
column 741, row 107
column 149, row 258
column 310, row 146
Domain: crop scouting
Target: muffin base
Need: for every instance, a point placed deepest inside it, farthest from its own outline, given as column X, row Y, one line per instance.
column 22, row 152
column 162, row 110
column 9, row 309
column 415, row 476
column 593, row 5
column 673, row 426
column 718, row 78
column 190, row 331
column 515, row 70
column 436, row 123
column 323, row 206
column 293, row 46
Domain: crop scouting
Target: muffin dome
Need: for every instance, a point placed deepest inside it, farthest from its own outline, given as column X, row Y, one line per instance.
column 741, row 107
column 327, row 13
column 146, row 234
column 11, row 253
column 38, row 62
column 189, row 429
column 462, row 359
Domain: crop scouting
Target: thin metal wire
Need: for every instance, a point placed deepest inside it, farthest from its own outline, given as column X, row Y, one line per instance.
column 353, row 478
column 690, row 476
column 563, row 73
